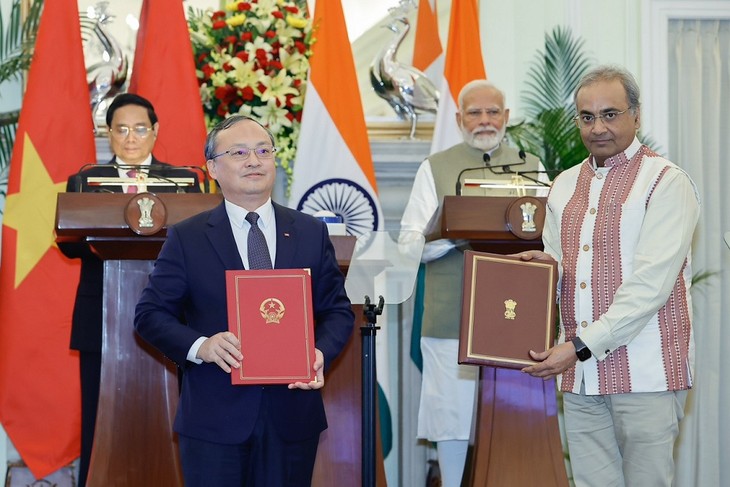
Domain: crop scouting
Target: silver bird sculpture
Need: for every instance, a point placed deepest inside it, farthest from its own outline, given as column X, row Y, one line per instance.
column 407, row 89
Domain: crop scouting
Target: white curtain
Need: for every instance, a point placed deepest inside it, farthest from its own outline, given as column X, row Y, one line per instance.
column 699, row 129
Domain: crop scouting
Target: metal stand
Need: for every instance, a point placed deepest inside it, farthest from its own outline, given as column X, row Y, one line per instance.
column 369, row 389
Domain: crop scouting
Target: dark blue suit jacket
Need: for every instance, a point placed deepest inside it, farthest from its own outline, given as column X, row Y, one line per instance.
column 186, row 299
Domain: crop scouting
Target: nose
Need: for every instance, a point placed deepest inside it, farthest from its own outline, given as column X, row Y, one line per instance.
column 595, row 128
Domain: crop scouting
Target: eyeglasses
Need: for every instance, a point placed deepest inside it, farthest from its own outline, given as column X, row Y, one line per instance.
column 585, row 120
column 243, row 153
column 475, row 113
column 123, row 131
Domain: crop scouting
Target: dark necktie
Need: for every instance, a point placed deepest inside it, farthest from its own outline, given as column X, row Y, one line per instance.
column 132, row 188
column 258, row 251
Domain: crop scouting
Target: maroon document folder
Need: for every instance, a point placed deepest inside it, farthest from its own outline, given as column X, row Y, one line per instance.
column 270, row 311
column 508, row 309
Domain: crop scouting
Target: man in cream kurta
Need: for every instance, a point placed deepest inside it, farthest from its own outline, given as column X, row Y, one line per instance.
column 620, row 226
column 447, row 393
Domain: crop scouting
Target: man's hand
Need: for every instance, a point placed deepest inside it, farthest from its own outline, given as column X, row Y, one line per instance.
column 533, row 254
column 318, row 381
column 222, row 348
column 552, row 362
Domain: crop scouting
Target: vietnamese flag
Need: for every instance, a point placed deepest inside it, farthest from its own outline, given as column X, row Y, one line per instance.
column 464, row 63
column 164, row 73
column 40, row 403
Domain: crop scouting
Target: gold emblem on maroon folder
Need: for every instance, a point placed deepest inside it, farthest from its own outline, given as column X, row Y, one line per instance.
column 272, row 310
column 509, row 309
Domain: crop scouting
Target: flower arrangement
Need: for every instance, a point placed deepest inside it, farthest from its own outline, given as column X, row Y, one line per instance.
column 252, row 58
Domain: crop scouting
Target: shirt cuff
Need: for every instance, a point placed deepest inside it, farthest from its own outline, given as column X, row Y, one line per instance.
column 193, row 352
column 598, row 340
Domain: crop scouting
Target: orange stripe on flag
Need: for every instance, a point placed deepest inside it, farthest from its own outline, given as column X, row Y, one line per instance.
column 164, row 73
column 427, row 44
column 332, row 71
column 464, row 60
column 40, row 403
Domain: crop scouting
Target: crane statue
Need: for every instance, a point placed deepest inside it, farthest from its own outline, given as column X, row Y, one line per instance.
column 406, row 88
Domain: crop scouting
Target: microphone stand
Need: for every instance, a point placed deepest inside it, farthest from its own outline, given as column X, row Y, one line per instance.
column 369, row 389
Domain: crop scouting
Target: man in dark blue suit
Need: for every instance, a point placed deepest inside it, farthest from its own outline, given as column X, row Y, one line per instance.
column 133, row 127
column 241, row 435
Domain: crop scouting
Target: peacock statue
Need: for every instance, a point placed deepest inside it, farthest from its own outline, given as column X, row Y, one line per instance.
column 406, row 88
column 106, row 63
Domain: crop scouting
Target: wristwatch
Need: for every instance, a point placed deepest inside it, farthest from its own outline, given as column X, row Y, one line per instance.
column 581, row 350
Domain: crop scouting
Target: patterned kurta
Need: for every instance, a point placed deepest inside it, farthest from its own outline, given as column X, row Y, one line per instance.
column 622, row 236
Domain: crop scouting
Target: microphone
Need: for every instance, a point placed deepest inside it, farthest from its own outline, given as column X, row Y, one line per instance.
column 152, row 167
column 78, row 180
column 507, row 168
column 486, row 159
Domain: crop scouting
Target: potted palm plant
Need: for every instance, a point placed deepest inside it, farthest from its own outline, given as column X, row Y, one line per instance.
column 17, row 38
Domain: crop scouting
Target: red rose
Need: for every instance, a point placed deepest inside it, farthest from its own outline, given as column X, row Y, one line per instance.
column 270, row 34
column 247, row 93
column 277, row 14
column 289, row 103
column 300, row 47
column 242, row 55
column 227, row 67
column 222, row 110
column 246, row 36
column 276, row 65
column 292, row 9
column 208, row 71
column 261, row 55
column 297, row 83
column 262, row 88
column 290, row 116
column 219, row 24
column 244, row 6
column 217, row 15
column 230, row 39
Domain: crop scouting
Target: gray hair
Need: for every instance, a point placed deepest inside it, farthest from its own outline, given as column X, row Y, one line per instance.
column 211, row 139
column 610, row 73
column 475, row 84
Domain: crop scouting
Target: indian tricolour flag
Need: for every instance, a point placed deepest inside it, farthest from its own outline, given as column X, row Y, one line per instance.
column 464, row 63
column 333, row 169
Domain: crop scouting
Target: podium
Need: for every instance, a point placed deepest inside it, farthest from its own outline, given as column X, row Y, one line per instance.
column 134, row 443
column 515, row 437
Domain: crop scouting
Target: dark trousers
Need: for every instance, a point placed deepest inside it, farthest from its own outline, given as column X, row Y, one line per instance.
column 90, row 370
column 264, row 460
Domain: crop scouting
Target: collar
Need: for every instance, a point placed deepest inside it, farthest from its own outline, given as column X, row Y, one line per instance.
column 237, row 214
column 620, row 158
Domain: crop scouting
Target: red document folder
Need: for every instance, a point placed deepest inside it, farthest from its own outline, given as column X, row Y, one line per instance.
column 270, row 311
column 508, row 309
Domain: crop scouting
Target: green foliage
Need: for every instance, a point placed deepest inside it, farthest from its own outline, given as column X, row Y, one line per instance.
column 550, row 132
column 17, row 39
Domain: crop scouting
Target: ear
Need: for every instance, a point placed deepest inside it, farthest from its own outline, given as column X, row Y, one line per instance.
column 210, row 165
column 155, row 129
column 506, row 116
column 458, row 118
column 637, row 121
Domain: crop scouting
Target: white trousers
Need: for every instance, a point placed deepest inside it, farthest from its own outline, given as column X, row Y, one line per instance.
column 623, row 439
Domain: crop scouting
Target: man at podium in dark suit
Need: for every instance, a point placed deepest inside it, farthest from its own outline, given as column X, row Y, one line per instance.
column 133, row 129
column 447, row 393
column 242, row 434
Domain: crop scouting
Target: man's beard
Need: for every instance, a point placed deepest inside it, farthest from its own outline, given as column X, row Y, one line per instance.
column 483, row 138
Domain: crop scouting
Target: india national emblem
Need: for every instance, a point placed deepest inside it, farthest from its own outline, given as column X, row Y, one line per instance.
column 509, row 309
column 528, row 216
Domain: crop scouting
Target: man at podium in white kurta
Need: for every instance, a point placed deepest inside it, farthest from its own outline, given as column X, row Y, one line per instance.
column 447, row 393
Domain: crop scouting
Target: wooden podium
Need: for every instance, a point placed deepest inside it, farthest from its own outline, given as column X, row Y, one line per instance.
column 515, row 437
column 134, row 443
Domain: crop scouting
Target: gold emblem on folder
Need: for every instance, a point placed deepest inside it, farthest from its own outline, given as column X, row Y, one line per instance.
column 509, row 309
column 272, row 310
